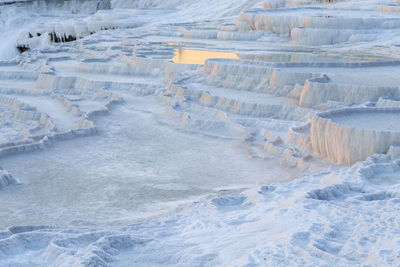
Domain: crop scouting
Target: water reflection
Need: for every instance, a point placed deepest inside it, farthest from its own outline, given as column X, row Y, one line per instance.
column 188, row 56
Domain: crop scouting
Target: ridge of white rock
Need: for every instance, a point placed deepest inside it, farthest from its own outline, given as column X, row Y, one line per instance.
column 6, row 179
column 346, row 135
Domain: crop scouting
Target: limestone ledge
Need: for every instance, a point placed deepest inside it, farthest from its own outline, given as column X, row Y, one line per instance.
column 6, row 179
column 346, row 145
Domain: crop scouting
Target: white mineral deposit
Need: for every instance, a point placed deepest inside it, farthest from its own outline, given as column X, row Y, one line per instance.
column 199, row 133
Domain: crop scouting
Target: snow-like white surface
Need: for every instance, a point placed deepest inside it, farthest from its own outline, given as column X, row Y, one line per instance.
column 381, row 121
column 190, row 133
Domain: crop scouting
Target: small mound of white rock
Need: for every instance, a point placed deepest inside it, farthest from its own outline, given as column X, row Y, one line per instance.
column 6, row 179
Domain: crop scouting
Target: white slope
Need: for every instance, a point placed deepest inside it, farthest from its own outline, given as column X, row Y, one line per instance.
column 327, row 218
column 191, row 164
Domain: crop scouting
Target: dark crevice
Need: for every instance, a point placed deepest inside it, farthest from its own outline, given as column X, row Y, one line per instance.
column 70, row 38
column 7, row 3
column 23, row 48
column 61, row 39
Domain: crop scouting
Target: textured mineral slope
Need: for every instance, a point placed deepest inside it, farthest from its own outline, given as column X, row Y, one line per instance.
column 163, row 91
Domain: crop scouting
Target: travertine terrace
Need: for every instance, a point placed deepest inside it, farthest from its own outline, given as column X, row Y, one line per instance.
column 348, row 135
column 199, row 133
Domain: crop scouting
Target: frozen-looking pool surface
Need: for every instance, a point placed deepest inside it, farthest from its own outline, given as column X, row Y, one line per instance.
column 379, row 121
column 134, row 167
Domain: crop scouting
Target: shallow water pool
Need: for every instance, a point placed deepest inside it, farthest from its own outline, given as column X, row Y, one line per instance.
column 134, row 167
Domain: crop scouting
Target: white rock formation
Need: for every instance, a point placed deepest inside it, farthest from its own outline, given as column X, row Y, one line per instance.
column 355, row 140
column 232, row 122
column 6, row 179
column 315, row 93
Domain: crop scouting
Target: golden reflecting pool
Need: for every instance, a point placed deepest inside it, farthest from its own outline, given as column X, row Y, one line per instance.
column 188, row 56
